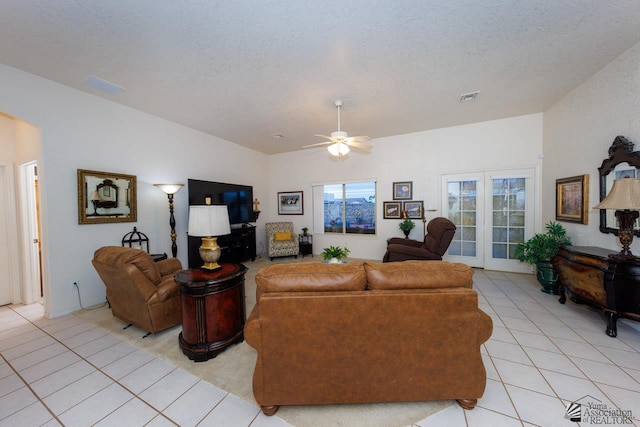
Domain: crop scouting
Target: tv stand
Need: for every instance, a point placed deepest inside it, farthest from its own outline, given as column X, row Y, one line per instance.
column 240, row 245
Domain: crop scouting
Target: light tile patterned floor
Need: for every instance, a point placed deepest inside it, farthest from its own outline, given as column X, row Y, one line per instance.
column 541, row 357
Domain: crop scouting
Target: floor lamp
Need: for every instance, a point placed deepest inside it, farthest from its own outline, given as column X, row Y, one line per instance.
column 170, row 190
column 624, row 198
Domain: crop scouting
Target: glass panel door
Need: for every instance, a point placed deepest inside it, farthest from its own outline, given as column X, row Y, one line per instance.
column 462, row 204
column 493, row 212
column 511, row 218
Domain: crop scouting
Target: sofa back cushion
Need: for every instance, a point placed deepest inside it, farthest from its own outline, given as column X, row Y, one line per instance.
column 310, row 277
column 119, row 256
column 418, row 275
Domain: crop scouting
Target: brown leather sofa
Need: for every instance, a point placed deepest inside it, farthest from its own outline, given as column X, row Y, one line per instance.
column 367, row 332
column 440, row 232
column 140, row 291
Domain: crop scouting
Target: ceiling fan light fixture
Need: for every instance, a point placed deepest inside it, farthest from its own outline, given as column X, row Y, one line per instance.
column 338, row 149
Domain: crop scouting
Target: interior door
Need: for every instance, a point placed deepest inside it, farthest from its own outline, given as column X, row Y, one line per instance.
column 5, row 266
column 493, row 211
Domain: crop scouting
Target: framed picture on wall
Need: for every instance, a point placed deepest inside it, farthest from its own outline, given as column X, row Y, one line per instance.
column 413, row 209
column 572, row 199
column 403, row 190
column 290, row 203
column 392, row 210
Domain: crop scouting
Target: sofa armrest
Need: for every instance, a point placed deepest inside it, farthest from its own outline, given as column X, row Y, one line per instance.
column 169, row 266
column 485, row 327
column 405, row 242
column 252, row 328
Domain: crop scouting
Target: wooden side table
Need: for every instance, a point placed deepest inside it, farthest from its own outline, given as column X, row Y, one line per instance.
column 306, row 244
column 213, row 310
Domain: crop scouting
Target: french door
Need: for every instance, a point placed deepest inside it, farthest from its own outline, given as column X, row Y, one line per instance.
column 493, row 211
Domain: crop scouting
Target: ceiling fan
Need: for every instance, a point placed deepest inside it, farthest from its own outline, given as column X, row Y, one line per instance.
column 339, row 141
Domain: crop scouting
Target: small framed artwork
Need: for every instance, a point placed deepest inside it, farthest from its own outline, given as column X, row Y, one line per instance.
column 290, row 203
column 403, row 190
column 572, row 199
column 392, row 210
column 413, row 209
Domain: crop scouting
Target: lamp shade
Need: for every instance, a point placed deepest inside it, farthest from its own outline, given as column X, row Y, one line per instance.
column 169, row 188
column 624, row 195
column 95, row 196
column 208, row 221
column 339, row 149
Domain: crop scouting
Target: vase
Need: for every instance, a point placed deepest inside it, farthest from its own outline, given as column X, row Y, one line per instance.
column 406, row 233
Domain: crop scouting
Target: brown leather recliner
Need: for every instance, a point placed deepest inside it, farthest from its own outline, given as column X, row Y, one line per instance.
column 140, row 291
column 440, row 232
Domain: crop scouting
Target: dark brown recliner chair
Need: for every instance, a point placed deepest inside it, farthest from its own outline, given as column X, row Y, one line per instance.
column 440, row 232
column 140, row 291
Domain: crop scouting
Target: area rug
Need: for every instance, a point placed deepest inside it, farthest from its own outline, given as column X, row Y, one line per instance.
column 232, row 371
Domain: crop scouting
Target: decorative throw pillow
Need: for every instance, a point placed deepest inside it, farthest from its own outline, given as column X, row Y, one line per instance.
column 283, row 235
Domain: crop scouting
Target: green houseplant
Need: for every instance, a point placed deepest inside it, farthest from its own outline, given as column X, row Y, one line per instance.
column 540, row 250
column 406, row 226
column 335, row 254
column 304, row 231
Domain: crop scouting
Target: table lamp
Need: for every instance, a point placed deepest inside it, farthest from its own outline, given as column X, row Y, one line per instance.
column 95, row 199
column 624, row 198
column 209, row 222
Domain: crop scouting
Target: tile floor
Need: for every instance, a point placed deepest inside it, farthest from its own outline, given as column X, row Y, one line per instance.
column 541, row 357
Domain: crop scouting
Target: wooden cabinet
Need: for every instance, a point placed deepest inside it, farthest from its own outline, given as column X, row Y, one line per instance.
column 213, row 310
column 239, row 246
column 602, row 279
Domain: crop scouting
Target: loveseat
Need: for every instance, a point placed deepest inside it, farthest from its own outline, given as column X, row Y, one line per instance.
column 367, row 332
column 140, row 291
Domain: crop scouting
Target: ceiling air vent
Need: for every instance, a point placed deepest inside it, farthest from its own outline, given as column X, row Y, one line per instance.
column 465, row 97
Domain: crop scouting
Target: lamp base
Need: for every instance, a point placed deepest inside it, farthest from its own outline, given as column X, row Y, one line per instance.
column 210, row 253
column 626, row 219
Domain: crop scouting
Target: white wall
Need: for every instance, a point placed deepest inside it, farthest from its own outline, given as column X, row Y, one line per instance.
column 419, row 157
column 578, row 131
column 81, row 131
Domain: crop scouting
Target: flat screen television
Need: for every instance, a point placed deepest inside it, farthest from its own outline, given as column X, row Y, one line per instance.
column 238, row 198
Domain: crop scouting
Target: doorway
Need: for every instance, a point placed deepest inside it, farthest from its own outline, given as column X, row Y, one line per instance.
column 493, row 211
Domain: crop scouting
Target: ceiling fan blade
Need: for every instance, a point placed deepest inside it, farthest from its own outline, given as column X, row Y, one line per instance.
column 359, row 138
column 325, row 136
column 318, row 144
column 358, row 145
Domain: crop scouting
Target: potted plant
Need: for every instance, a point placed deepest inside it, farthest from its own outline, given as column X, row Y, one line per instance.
column 335, row 254
column 540, row 250
column 304, row 231
column 406, row 226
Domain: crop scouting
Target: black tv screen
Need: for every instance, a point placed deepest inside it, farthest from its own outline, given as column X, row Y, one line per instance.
column 238, row 198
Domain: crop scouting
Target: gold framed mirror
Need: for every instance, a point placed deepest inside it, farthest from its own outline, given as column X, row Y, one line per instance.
column 105, row 197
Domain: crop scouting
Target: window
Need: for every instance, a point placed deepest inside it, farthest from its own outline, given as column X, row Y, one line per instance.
column 346, row 208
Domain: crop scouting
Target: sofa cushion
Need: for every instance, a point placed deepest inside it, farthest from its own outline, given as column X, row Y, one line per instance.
column 282, row 235
column 310, row 277
column 418, row 275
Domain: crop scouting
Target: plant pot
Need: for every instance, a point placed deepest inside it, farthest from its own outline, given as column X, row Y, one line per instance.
column 548, row 277
column 406, row 233
column 334, row 261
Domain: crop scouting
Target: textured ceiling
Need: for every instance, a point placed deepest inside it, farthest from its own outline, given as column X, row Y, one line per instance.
column 244, row 70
